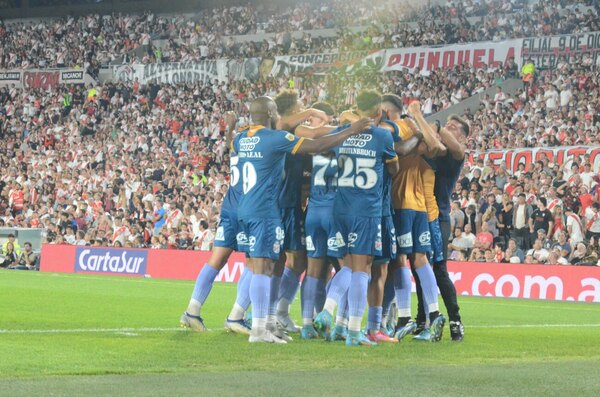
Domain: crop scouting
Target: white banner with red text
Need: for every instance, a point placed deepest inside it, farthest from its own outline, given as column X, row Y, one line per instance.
column 426, row 59
column 550, row 282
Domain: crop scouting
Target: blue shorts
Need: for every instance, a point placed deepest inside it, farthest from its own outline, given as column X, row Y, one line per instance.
column 388, row 240
column 229, row 234
column 265, row 237
column 412, row 232
column 293, row 225
column 358, row 235
column 436, row 241
column 320, row 232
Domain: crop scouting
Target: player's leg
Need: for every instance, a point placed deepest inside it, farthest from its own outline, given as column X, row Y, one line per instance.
column 309, row 293
column 265, row 236
column 235, row 320
column 403, row 221
column 375, row 295
column 446, row 286
column 339, row 284
column 364, row 243
column 295, row 265
column 389, row 306
column 225, row 243
column 422, row 245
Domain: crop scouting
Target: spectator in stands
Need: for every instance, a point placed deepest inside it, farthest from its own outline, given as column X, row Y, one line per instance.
column 513, row 253
column 9, row 257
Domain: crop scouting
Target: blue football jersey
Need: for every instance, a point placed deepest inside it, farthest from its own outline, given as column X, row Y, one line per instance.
column 323, row 181
column 230, row 202
column 261, row 154
column 292, row 182
column 361, row 160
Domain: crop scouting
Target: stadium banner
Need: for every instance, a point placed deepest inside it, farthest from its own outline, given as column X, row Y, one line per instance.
column 511, row 158
column 242, row 69
column 550, row 282
column 446, row 57
column 546, row 52
column 173, row 72
column 133, row 262
column 42, row 78
column 287, row 65
column 547, row 282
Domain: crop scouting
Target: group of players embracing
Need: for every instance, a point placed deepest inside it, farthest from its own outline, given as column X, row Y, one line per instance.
column 377, row 211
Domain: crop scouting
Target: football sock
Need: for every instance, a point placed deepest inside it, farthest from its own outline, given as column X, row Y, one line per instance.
column 290, row 282
column 202, row 288
column 320, row 295
column 242, row 301
column 357, row 299
column 374, row 318
column 388, row 297
column 275, row 283
column 429, row 287
column 341, row 317
column 260, row 292
column 309, row 290
column 402, row 287
column 338, row 286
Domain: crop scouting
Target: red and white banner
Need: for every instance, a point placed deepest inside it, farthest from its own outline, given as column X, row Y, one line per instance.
column 511, row 158
column 43, row 78
column 550, row 282
column 447, row 57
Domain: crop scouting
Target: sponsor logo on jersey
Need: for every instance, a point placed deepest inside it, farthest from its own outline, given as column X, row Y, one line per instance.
column 352, row 237
column 279, row 233
column 425, row 238
column 309, row 244
column 247, row 144
column 241, row 238
column 405, row 240
column 339, row 240
column 332, row 243
column 359, row 140
column 220, row 234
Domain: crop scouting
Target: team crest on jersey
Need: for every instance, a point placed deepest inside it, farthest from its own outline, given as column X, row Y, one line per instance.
column 220, row 234
column 352, row 237
column 309, row 244
column 289, row 137
column 378, row 245
column 394, row 249
column 425, row 238
column 276, row 248
column 405, row 240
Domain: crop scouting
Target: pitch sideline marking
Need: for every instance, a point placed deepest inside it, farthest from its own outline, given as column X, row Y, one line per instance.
column 158, row 329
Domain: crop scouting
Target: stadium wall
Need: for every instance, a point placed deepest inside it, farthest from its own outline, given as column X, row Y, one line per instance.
column 548, row 282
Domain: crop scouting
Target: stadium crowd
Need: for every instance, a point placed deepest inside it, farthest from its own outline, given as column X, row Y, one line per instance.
column 146, row 166
column 93, row 40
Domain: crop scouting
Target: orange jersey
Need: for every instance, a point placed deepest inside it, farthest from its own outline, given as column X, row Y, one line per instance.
column 407, row 185
column 413, row 187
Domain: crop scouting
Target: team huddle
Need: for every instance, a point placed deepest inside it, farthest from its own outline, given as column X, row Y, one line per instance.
column 377, row 211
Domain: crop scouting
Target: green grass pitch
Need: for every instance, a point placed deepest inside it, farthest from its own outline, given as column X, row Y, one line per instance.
column 64, row 334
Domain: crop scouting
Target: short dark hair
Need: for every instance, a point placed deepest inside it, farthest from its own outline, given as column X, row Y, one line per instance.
column 464, row 126
column 394, row 100
column 542, row 200
column 368, row 100
column 325, row 107
column 27, row 243
column 285, row 101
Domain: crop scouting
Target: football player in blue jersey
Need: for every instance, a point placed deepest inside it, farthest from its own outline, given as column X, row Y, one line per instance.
column 285, row 280
column 319, row 228
column 228, row 239
column 362, row 159
column 261, row 151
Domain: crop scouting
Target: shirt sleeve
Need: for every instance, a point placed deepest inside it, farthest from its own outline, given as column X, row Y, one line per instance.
column 389, row 154
column 285, row 142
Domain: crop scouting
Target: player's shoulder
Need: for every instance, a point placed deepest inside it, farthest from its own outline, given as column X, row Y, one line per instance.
column 380, row 132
